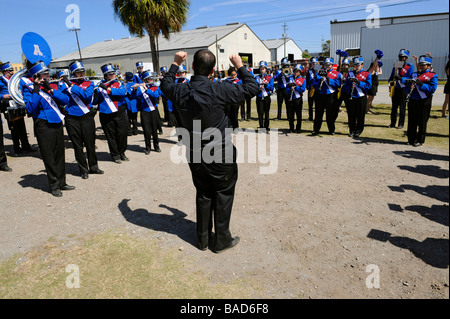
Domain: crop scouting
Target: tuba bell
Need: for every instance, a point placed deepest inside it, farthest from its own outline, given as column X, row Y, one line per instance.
column 14, row 87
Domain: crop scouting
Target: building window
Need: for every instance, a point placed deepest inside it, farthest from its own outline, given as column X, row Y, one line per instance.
column 245, row 36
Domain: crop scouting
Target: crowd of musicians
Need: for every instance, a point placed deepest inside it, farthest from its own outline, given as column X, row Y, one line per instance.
column 72, row 101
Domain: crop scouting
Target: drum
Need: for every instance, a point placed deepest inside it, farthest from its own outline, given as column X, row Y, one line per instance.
column 13, row 113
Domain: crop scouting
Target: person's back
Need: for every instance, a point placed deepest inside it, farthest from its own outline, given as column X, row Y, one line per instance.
column 205, row 101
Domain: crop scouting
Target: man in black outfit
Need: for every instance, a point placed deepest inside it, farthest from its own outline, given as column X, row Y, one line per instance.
column 205, row 101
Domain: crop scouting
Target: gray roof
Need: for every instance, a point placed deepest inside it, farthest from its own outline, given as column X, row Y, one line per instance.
column 195, row 38
column 274, row 43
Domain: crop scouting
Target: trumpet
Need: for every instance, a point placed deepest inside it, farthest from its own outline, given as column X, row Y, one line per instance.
column 286, row 71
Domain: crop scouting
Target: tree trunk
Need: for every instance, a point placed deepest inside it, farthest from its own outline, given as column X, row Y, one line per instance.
column 155, row 59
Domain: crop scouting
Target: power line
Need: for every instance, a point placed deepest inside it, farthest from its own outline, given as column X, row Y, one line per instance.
column 321, row 13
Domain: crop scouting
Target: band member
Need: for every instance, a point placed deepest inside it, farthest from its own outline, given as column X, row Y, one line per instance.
column 233, row 109
column 109, row 95
column 399, row 75
column 16, row 125
column 341, row 96
column 140, row 70
column 375, row 70
column 294, row 88
column 420, row 88
column 326, row 82
column 43, row 102
column 80, row 123
column 281, row 80
column 149, row 93
column 310, row 75
column 357, row 83
column 265, row 82
column 131, row 101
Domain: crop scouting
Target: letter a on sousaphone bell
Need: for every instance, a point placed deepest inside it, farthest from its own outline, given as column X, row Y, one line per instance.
column 35, row 48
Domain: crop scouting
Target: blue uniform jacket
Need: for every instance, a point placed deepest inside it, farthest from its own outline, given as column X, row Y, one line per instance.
column 334, row 84
column 268, row 87
column 153, row 95
column 298, row 89
column 130, row 98
column 39, row 108
column 428, row 87
column 85, row 96
column 401, row 83
column 117, row 95
column 363, row 86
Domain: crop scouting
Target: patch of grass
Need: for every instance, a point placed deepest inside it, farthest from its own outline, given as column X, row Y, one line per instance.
column 376, row 125
column 111, row 265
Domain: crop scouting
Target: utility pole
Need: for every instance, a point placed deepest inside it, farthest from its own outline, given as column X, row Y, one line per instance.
column 285, row 35
column 78, row 43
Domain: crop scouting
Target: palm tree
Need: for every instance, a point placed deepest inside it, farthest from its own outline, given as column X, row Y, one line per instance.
column 153, row 17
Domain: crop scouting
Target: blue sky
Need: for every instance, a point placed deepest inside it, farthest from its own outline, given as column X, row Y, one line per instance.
column 308, row 21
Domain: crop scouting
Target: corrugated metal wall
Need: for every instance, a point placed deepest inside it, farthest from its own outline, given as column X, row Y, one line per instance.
column 419, row 34
column 417, row 37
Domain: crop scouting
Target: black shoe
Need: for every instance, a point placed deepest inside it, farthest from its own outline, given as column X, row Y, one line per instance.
column 231, row 244
column 356, row 135
column 67, row 188
column 117, row 161
column 84, row 175
column 400, row 127
column 314, row 133
column 5, row 168
column 417, row 144
column 157, row 149
column 391, row 126
column 29, row 149
column 96, row 171
column 332, row 133
column 57, row 193
column 351, row 134
column 123, row 157
column 146, row 152
column 202, row 247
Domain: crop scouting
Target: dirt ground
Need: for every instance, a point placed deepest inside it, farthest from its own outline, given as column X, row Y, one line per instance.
column 337, row 213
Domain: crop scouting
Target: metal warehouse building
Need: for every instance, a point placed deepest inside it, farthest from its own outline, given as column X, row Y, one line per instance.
column 222, row 40
column 418, row 34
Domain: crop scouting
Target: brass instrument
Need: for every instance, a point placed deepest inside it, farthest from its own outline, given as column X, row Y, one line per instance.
column 397, row 66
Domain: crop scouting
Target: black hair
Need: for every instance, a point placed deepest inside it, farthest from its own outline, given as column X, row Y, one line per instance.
column 204, row 62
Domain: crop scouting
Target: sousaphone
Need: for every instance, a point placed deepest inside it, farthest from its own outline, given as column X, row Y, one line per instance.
column 34, row 48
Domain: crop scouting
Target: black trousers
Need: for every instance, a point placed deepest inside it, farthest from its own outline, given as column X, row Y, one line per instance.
column 398, row 107
column 311, row 100
column 356, row 112
column 295, row 108
column 243, row 113
column 248, row 112
column 3, row 161
column 50, row 138
column 282, row 96
column 418, row 115
column 166, row 110
column 232, row 112
column 150, row 125
column 132, row 122
column 263, row 108
column 81, row 131
column 325, row 103
column 19, row 135
column 115, row 127
column 215, row 186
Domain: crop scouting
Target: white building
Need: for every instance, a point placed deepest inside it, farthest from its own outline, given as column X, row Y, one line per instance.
column 418, row 34
column 279, row 48
column 233, row 38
